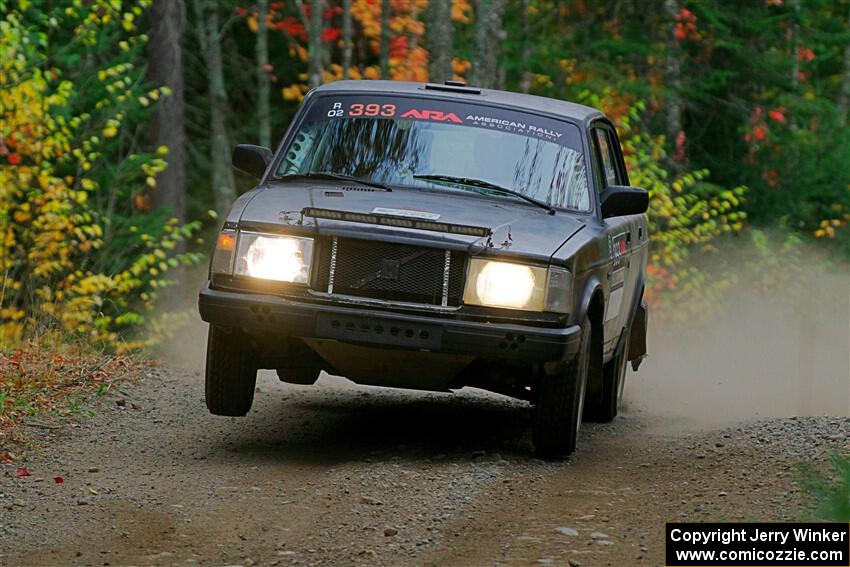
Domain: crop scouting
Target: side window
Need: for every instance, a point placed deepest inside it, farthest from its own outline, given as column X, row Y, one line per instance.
column 609, row 170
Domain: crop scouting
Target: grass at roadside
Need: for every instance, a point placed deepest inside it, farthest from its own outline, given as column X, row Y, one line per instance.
column 829, row 491
column 42, row 378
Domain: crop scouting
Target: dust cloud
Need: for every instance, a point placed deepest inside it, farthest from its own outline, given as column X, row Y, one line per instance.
column 779, row 352
column 783, row 351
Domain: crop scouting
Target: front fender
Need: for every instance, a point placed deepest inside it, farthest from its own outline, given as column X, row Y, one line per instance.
column 590, row 287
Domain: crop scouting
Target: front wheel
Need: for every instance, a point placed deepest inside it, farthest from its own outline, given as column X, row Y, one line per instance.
column 230, row 374
column 560, row 401
column 606, row 407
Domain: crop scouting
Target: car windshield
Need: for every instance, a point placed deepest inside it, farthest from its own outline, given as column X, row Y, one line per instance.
column 436, row 144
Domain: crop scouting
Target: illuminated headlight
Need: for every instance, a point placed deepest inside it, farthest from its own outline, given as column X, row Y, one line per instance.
column 517, row 286
column 272, row 257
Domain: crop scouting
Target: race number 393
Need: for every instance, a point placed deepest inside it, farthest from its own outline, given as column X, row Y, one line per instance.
column 804, row 544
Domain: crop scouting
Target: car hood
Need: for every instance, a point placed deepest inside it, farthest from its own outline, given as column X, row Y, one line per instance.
column 517, row 228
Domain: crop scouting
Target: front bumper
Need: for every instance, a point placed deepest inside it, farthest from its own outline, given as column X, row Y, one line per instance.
column 270, row 314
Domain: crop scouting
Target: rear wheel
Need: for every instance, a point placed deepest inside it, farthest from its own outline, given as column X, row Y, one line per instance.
column 560, row 401
column 230, row 374
column 606, row 407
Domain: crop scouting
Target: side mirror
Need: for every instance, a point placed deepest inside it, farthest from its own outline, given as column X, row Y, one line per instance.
column 619, row 201
column 252, row 160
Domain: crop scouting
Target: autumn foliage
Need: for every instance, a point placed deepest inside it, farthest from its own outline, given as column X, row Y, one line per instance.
column 77, row 257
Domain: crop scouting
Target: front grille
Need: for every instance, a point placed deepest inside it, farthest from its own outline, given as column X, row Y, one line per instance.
column 395, row 272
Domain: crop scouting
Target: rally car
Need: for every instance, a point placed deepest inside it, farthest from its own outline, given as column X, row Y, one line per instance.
column 435, row 236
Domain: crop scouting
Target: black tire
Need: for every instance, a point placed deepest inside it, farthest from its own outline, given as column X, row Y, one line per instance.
column 560, row 401
column 606, row 407
column 230, row 375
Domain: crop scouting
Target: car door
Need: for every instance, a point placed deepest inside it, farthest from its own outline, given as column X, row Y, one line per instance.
column 621, row 234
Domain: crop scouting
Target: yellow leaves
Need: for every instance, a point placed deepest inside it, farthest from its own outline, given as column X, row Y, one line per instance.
column 54, row 227
column 299, row 52
column 21, row 217
column 462, row 11
column 293, row 92
column 127, row 21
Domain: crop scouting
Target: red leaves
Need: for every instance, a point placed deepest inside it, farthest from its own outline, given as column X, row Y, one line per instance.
column 805, row 54
column 331, row 34
column 398, row 46
column 329, row 13
column 777, row 115
column 292, row 27
column 771, row 177
column 24, row 471
column 759, row 133
column 14, row 158
column 686, row 26
column 681, row 153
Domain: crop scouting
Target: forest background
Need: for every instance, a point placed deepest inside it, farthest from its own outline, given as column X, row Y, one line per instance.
column 117, row 119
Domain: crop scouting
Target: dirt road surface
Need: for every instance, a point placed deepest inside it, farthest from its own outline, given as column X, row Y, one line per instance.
column 338, row 474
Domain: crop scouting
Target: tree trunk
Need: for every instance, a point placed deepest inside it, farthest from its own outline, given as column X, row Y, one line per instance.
column 346, row 38
column 315, row 42
column 795, row 39
column 440, row 40
column 673, row 73
column 488, row 37
column 385, row 39
column 166, row 127
column 844, row 97
column 223, row 184
column 262, row 56
column 525, row 53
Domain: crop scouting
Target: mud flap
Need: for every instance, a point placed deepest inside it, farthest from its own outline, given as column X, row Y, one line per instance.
column 637, row 342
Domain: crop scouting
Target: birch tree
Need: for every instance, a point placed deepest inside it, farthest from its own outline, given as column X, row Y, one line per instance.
column 488, row 37
column 166, row 126
column 385, row 39
column 315, row 45
column 673, row 72
column 209, row 38
column 440, row 40
column 346, row 38
column 844, row 97
column 525, row 50
column 262, row 56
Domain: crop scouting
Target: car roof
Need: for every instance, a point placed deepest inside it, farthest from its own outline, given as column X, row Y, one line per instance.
column 551, row 106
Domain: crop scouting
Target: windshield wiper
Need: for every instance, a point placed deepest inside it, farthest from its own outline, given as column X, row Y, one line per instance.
column 334, row 177
column 485, row 185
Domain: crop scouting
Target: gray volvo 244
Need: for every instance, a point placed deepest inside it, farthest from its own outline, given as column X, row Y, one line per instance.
column 433, row 237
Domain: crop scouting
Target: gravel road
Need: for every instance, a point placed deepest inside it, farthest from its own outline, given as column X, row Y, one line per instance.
column 336, row 474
